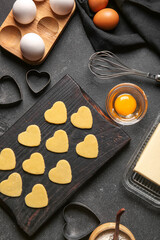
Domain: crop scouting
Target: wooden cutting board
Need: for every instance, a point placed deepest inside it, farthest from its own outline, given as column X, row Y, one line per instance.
column 110, row 138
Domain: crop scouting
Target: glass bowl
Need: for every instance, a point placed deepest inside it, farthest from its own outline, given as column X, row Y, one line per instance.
column 137, row 93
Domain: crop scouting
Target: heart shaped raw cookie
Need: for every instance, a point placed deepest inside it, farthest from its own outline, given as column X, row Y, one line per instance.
column 31, row 137
column 58, row 143
column 83, row 118
column 38, row 198
column 7, row 159
column 34, row 165
column 12, row 187
column 88, row 148
column 62, row 173
column 57, row 114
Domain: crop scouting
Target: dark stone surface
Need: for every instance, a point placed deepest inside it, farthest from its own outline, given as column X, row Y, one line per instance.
column 104, row 193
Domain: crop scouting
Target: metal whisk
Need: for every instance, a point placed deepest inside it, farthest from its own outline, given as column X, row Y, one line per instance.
column 106, row 65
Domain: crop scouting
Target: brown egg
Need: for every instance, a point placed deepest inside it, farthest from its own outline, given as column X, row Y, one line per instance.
column 106, row 19
column 96, row 5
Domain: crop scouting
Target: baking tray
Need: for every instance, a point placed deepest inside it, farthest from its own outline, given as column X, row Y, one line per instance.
column 110, row 138
column 137, row 184
column 47, row 24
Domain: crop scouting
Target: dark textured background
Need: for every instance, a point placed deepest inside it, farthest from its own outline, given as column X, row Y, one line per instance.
column 104, row 193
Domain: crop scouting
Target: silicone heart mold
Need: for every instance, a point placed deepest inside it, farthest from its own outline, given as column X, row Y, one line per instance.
column 80, row 221
column 37, row 81
column 10, row 93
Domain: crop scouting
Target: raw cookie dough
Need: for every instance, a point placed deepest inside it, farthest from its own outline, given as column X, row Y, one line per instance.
column 31, row 137
column 12, row 186
column 34, row 165
column 62, row 173
column 59, row 143
column 148, row 164
column 38, row 198
column 83, row 118
column 88, row 148
column 57, row 114
column 7, row 159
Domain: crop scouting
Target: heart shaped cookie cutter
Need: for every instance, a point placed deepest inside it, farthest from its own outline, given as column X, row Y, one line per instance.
column 32, row 77
column 69, row 212
column 6, row 98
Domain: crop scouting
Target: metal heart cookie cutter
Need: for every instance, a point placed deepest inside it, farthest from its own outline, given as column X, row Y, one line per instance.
column 10, row 92
column 37, row 81
column 80, row 221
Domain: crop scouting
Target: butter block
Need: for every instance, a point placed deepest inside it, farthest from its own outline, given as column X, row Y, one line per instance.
column 148, row 164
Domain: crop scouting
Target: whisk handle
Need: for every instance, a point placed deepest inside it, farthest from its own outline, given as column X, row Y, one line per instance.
column 153, row 76
column 157, row 77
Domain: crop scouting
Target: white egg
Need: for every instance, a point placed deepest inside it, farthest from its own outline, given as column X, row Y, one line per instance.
column 32, row 46
column 62, row 7
column 24, row 11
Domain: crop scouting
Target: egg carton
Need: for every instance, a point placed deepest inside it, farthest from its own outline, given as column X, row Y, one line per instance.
column 47, row 25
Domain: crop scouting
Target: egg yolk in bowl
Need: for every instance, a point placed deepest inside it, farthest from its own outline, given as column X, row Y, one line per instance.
column 125, row 104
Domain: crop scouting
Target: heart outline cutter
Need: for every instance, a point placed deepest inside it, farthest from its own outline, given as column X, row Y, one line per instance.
column 34, row 72
column 11, row 103
column 79, row 205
